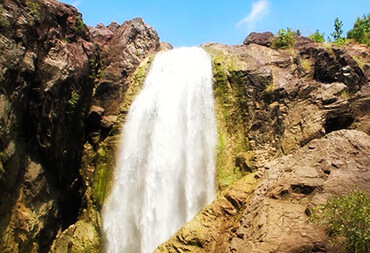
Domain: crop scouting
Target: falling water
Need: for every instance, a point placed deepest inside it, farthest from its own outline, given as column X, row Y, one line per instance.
column 165, row 172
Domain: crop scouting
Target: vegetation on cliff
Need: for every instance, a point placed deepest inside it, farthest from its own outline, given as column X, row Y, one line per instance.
column 348, row 221
column 361, row 30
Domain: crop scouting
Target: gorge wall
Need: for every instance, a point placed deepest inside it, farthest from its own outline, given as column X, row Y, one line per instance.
column 293, row 130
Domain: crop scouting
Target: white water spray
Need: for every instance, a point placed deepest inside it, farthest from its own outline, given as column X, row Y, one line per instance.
column 165, row 172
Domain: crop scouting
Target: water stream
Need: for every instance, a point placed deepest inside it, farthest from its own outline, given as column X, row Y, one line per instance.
column 166, row 168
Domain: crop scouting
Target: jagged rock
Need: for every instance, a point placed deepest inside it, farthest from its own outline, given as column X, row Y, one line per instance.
column 164, row 46
column 119, row 57
column 273, row 215
column 45, row 93
column 94, row 118
column 302, row 42
column 331, row 91
column 263, row 39
column 339, row 66
column 101, row 34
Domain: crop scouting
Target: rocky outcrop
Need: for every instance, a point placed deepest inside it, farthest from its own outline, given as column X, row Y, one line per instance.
column 273, row 216
column 45, row 92
column 125, row 53
column 269, row 104
column 53, row 69
column 263, row 39
column 122, row 49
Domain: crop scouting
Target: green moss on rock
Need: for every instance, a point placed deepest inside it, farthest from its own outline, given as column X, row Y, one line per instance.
column 230, row 106
column 102, row 175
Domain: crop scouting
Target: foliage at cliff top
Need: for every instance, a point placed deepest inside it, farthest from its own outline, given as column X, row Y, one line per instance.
column 284, row 39
column 348, row 221
column 317, row 37
column 361, row 30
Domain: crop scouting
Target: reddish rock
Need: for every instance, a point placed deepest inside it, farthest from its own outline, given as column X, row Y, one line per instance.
column 119, row 57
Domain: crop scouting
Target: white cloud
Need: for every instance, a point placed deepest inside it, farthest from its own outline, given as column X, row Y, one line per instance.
column 258, row 12
column 76, row 3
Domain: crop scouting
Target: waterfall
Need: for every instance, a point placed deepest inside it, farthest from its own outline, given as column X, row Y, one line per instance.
column 166, row 169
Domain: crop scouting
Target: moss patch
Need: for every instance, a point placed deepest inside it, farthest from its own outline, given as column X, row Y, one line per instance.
column 306, row 65
column 102, row 175
column 231, row 111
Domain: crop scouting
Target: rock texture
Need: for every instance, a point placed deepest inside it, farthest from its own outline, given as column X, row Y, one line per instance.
column 273, row 216
column 271, row 102
column 45, row 94
column 61, row 83
column 65, row 90
column 263, row 39
column 122, row 49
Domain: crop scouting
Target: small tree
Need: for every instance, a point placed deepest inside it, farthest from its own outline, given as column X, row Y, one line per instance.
column 361, row 30
column 284, row 39
column 317, row 37
column 337, row 34
column 348, row 221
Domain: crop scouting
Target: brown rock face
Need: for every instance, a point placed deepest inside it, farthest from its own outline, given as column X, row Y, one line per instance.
column 122, row 49
column 49, row 65
column 45, row 92
column 272, row 217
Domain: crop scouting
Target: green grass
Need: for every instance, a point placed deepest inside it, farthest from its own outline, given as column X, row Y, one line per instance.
column 306, row 65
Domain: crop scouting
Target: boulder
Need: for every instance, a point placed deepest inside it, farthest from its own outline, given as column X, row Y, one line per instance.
column 263, row 39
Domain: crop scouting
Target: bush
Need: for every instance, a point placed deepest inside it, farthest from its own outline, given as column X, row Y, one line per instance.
column 284, row 39
column 348, row 221
column 79, row 24
column 337, row 34
column 361, row 30
column 34, row 10
column 317, row 37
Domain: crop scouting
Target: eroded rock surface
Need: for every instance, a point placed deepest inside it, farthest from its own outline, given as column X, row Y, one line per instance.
column 273, row 216
column 45, row 92
column 52, row 70
column 122, row 49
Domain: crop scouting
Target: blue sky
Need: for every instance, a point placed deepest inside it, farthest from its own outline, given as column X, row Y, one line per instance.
column 193, row 22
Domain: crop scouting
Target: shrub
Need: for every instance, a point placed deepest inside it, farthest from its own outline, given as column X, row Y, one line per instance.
column 337, row 34
column 317, row 37
column 348, row 221
column 34, row 9
column 79, row 24
column 361, row 30
column 284, row 39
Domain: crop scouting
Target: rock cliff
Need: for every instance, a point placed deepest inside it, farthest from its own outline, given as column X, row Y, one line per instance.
column 293, row 130
column 54, row 72
column 281, row 115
